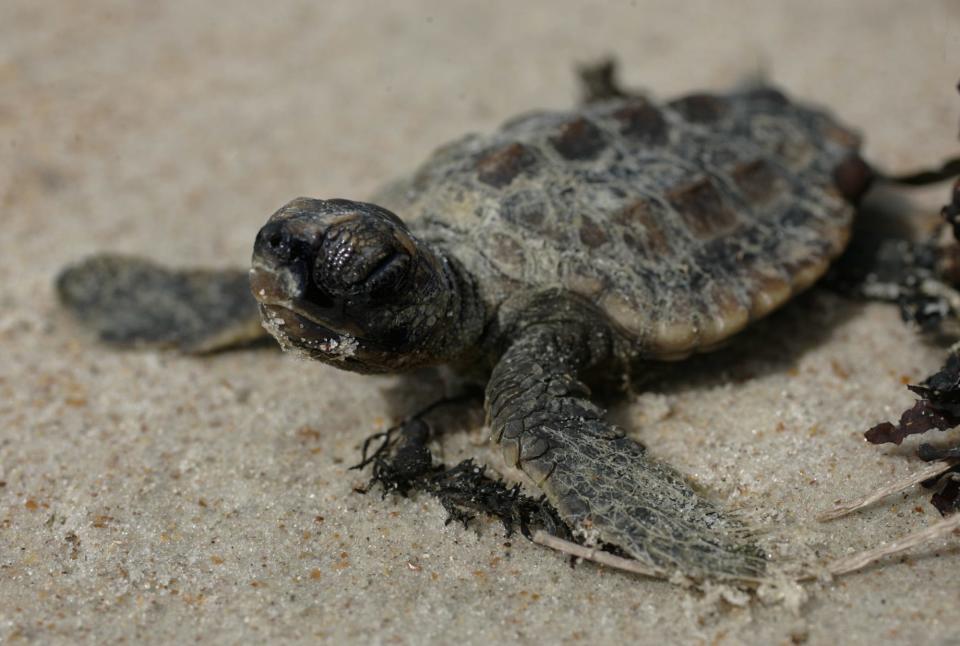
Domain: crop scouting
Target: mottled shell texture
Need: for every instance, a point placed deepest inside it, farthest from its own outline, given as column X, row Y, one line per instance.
column 682, row 221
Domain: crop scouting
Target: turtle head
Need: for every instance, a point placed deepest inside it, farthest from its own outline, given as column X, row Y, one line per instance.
column 346, row 283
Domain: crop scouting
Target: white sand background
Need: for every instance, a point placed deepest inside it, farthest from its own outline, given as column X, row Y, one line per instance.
column 152, row 498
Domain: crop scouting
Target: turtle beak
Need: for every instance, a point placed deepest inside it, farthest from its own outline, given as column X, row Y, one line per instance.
column 333, row 278
column 280, row 281
column 273, row 286
column 295, row 328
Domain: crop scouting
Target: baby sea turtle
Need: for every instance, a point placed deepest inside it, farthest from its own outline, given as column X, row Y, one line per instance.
column 562, row 244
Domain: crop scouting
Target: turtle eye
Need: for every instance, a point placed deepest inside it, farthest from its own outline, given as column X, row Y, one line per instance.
column 387, row 274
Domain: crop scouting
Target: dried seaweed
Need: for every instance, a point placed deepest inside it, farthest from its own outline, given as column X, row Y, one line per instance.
column 939, row 405
column 947, row 499
column 922, row 417
column 402, row 463
column 931, row 473
column 907, row 273
column 937, row 409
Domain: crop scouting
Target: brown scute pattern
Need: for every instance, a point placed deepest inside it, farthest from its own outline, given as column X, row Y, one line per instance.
column 500, row 167
column 641, row 121
column 591, row 234
column 758, row 180
column 703, row 209
column 682, row 221
column 642, row 229
column 578, row 139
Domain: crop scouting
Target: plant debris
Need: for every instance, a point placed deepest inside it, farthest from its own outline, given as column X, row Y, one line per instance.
column 937, row 409
column 919, row 276
column 860, row 560
column 913, row 275
column 939, row 405
column 931, row 471
column 402, row 463
column 947, row 500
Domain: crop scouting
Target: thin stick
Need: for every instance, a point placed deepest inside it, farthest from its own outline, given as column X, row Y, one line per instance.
column 859, row 561
column 592, row 554
column 931, row 470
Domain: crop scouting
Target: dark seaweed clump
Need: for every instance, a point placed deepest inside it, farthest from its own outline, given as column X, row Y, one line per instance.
column 402, row 463
column 937, row 409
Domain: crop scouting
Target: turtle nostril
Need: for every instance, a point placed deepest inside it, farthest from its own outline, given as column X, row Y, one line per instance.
column 276, row 244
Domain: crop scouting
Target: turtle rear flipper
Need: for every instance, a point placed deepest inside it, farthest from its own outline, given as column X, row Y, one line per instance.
column 602, row 483
column 129, row 301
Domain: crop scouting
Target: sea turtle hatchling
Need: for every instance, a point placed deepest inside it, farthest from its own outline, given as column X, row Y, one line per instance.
column 563, row 243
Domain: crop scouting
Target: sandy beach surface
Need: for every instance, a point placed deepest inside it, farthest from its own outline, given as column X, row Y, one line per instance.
column 147, row 497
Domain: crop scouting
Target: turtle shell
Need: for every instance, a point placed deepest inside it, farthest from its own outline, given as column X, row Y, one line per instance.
column 682, row 221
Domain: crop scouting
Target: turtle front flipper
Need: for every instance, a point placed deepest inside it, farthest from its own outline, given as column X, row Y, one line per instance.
column 601, row 482
column 129, row 301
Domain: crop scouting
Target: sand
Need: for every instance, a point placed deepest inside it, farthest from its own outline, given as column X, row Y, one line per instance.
column 152, row 498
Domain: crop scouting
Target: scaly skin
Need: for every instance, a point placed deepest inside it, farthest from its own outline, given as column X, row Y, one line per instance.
column 356, row 290
column 346, row 283
column 322, row 261
column 562, row 242
column 602, row 483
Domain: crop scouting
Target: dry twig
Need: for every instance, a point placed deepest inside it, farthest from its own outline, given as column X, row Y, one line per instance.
column 930, row 471
column 596, row 555
column 861, row 560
